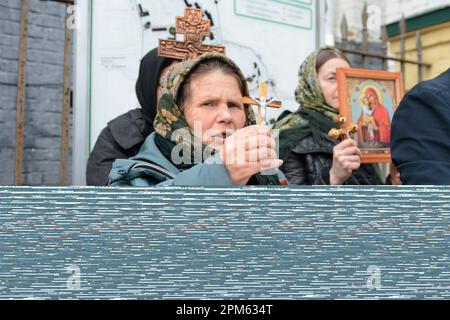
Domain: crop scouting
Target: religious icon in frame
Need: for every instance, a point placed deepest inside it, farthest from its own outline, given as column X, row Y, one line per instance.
column 369, row 99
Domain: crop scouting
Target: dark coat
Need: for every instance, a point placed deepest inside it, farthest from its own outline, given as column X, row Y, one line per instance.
column 421, row 133
column 121, row 139
column 124, row 136
column 309, row 163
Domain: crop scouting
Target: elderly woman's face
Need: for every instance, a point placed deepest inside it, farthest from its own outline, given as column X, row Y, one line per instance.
column 214, row 109
column 328, row 82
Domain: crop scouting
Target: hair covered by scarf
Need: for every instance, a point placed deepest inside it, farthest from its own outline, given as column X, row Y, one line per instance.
column 170, row 124
column 314, row 116
column 170, row 117
column 309, row 94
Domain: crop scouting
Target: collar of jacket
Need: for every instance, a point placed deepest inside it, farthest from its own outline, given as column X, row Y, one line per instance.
column 149, row 153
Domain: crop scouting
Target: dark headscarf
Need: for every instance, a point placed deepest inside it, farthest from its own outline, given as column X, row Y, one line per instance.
column 148, row 81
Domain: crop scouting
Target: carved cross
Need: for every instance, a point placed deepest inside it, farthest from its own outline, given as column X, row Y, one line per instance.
column 195, row 29
column 262, row 102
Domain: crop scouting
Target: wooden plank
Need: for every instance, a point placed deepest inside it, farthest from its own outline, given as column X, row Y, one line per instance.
column 20, row 101
column 65, row 108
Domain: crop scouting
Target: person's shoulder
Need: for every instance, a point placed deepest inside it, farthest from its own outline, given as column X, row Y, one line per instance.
column 426, row 96
column 147, row 168
column 437, row 86
column 126, row 118
column 129, row 129
column 116, row 124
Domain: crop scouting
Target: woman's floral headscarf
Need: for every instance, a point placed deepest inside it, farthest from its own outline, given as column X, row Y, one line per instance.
column 170, row 117
column 309, row 95
column 170, row 124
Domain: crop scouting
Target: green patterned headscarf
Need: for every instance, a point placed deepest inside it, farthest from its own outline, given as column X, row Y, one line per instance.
column 170, row 117
column 309, row 93
column 314, row 116
column 170, row 124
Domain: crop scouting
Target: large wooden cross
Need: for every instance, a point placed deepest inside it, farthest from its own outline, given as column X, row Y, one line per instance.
column 262, row 102
column 195, row 29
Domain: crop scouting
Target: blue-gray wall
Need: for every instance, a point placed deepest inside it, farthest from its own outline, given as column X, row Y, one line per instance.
column 44, row 80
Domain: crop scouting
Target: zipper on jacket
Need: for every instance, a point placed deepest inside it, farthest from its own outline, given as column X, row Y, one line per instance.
column 154, row 167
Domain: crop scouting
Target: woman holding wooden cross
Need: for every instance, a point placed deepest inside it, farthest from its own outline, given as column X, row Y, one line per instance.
column 204, row 134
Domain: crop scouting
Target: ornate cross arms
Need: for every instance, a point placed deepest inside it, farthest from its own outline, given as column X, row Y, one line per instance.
column 194, row 29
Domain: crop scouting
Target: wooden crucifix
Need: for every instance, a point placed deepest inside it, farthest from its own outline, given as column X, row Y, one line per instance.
column 263, row 103
column 195, row 29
